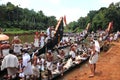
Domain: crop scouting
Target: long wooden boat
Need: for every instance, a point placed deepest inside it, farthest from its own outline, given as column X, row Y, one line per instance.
column 56, row 39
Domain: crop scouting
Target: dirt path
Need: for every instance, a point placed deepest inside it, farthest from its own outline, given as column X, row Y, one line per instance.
column 108, row 67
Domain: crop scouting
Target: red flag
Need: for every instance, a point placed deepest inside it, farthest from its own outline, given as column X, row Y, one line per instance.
column 65, row 20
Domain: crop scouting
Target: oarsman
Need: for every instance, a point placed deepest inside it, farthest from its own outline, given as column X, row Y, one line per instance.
column 48, row 32
column 35, row 67
column 42, row 63
column 36, row 41
column 72, row 52
column 68, row 63
column 49, row 65
column 61, row 54
column 42, row 39
column 10, row 62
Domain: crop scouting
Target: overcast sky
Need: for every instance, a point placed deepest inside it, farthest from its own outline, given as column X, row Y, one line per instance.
column 73, row 9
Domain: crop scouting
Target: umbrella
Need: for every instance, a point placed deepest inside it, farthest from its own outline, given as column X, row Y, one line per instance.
column 3, row 37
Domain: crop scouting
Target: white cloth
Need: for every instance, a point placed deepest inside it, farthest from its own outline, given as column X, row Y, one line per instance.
column 49, row 65
column 94, row 58
column 26, row 62
column 36, row 42
column 72, row 53
column 68, row 64
column 17, row 48
column 35, row 70
column 48, row 32
column 42, row 41
column 97, row 46
column 52, row 33
column 12, row 71
column 42, row 65
column 115, row 36
column 21, row 75
column 56, row 71
column 9, row 60
column 5, row 52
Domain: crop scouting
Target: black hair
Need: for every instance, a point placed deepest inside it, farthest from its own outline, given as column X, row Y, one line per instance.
column 11, row 51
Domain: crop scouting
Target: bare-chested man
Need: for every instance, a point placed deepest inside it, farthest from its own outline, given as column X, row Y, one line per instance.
column 35, row 67
column 49, row 61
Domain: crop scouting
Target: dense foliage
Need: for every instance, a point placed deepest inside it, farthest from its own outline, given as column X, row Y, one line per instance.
column 99, row 19
column 12, row 16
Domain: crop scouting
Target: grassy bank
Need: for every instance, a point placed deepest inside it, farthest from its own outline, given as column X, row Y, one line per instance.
column 17, row 31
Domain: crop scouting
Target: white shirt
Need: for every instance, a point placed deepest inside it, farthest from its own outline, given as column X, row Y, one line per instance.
column 72, row 53
column 26, row 58
column 9, row 60
column 97, row 46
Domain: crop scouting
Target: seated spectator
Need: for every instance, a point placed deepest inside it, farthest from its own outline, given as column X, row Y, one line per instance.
column 61, row 55
column 59, row 68
column 69, row 63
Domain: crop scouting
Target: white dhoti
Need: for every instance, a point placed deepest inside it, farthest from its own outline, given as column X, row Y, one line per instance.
column 42, row 41
column 12, row 71
column 94, row 59
column 35, row 70
column 36, row 42
column 21, row 75
column 68, row 64
column 28, row 69
column 49, row 65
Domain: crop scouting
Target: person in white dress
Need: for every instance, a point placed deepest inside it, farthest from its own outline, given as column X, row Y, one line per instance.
column 48, row 32
column 27, row 67
column 36, row 41
column 42, row 39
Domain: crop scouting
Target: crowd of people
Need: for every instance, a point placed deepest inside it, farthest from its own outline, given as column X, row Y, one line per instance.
column 17, row 60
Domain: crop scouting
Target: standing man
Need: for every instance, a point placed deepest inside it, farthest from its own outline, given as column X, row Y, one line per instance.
column 48, row 32
column 94, row 57
column 10, row 62
column 49, row 63
column 27, row 67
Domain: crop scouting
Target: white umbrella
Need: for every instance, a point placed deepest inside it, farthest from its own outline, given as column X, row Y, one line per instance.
column 3, row 37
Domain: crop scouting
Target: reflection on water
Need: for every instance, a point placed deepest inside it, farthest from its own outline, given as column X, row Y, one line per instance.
column 29, row 38
column 24, row 38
